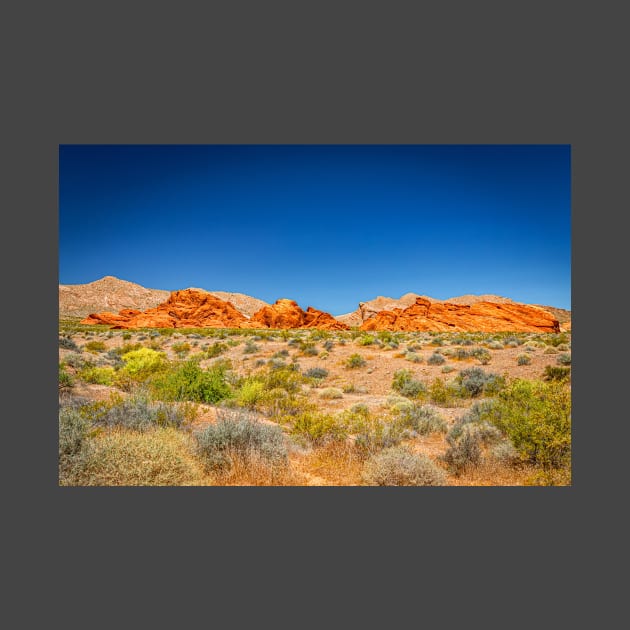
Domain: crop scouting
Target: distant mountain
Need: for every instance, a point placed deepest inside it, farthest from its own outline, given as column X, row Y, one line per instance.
column 107, row 294
column 110, row 294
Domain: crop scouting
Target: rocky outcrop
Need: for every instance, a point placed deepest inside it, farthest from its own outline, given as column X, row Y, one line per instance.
column 287, row 314
column 190, row 308
column 425, row 315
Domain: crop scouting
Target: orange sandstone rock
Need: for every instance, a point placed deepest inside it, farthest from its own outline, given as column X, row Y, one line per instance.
column 287, row 314
column 425, row 315
column 189, row 308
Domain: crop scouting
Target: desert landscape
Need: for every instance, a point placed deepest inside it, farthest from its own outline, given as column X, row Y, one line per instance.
column 205, row 388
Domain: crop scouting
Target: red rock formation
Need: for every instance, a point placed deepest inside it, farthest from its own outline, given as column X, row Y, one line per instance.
column 425, row 315
column 287, row 314
column 189, row 308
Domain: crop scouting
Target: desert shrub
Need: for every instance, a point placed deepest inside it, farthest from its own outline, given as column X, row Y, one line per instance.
column 405, row 384
column 495, row 345
column 281, row 354
column 309, row 350
column 461, row 354
column 189, row 381
column 366, row 340
column 317, row 373
column 141, row 363
column 553, row 373
column 77, row 361
column 126, row 335
column 287, row 378
column 331, row 393
column 564, row 347
column 126, row 348
column 98, row 375
column 523, row 359
column 397, row 466
column 239, row 438
column 442, row 393
column 73, row 430
column 413, row 357
column 447, row 369
column 437, row 341
column 355, row 361
column 181, row 348
column 436, row 359
column 250, row 347
column 68, row 344
column 422, row 419
column 536, row 417
column 276, row 364
column 482, row 355
column 318, row 428
column 136, row 412
column 474, row 381
column 505, row 453
column 249, row 393
column 95, row 346
column 464, row 450
column 65, row 379
column 122, row 458
column 476, row 419
column 373, row 435
column 328, row 345
column 564, row 359
column 550, row 350
column 512, row 341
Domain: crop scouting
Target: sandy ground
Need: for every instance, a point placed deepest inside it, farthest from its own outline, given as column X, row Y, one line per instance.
column 373, row 384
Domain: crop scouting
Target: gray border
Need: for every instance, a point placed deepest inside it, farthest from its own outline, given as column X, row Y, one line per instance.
column 299, row 73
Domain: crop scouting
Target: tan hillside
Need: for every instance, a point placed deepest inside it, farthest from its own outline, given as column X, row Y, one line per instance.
column 107, row 294
column 110, row 294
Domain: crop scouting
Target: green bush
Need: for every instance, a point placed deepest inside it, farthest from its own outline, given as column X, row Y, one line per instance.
column 141, row 363
column 413, row 357
column 366, row 340
column 536, row 417
column 355, row 361
column 65, row 380
column 318, row 427
column 95, row 346
column 189, row 381
column 98, row 375
column 523, row 359
column 249, row 393
column 397, row 466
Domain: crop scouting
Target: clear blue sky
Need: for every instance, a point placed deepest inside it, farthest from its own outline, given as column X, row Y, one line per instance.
column 326, row 225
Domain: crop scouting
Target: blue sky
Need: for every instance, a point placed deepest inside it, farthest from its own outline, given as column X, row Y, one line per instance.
column 326, row 225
